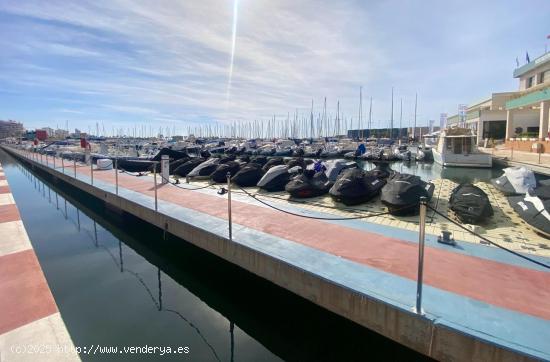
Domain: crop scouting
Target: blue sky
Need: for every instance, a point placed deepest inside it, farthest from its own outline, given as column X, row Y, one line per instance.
column 166, row 63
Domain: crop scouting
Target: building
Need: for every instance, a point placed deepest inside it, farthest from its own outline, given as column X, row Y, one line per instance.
column 520, row 118
column 11, row 129
column 41, row 134
column 486, row 117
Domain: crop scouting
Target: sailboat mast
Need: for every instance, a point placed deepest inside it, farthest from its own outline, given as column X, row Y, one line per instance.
column 391, row 120
column 415, row 107
column 370, row 117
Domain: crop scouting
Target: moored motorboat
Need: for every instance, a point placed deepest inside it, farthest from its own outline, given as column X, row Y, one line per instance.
column 188, row 166
column 205, row 169
column 220, row 173
column 248, row 175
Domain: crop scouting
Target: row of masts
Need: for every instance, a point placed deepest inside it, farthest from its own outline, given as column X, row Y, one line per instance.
column 311, row 125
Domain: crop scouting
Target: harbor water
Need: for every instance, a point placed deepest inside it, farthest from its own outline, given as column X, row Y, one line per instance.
column 119, row 282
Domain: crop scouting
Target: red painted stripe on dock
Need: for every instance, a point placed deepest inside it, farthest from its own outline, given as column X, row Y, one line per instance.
column 3, row 178
column 24, row 292
column 4, row 190
column 9, row 213
column 508, row 286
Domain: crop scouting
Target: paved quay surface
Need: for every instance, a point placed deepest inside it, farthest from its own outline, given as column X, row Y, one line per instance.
column 478, row 291
column 31, row 327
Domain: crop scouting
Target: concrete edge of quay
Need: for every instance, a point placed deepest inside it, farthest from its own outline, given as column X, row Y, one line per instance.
column 31, row 326
column 420, row 333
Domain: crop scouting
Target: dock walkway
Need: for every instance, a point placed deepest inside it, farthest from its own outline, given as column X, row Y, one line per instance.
column 31, row 327
column 479, row 303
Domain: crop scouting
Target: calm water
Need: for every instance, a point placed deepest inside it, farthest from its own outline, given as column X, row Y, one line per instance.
column 118, row 282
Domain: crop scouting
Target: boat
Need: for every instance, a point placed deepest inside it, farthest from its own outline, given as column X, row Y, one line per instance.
column 534, row 208
column 308, row 184
column 402, row 193
column 275, row 179
column 220, row 173
column 470, row 204
column 515, row 181
column 333, row 168
column 137, row 165
column 205, row 169
column 275, row 161
column 184, row 169
column 248, row 175
column 354, row 186
column 457, row 148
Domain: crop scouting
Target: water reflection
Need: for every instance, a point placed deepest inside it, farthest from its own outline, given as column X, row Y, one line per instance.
column 119, row 281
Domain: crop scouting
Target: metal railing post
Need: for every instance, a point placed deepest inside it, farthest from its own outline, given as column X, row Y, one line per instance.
column 62, row 164
column 116, row 175
column 46, row 159
column 41, row 160
column 421, row 237
column 155, row 180
column 74, row 164
column 230, row 221
column 512, row 153
column 54, row 162
column 92, row 170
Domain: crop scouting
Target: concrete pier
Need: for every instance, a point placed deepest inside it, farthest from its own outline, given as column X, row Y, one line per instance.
column 479, row 303
column 31, row 327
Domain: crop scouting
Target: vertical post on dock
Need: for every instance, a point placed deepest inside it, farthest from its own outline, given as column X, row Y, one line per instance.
column 421, row 237
column 512, row 153
column 229, row 206
column 92, row 170
column 54, row 161
column 74, row 164
column 46, row 159
column 116, row 175
column 155, row 180
column 62, row 164
column 41, row 160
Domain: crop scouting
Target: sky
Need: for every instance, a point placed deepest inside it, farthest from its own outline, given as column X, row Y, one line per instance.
column 169, row 63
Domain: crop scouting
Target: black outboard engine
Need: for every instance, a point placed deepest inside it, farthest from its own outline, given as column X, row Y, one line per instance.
column 402, row 193
column 273, row 162
column 220, row 174
column 308, row 184
column 470, row 204
column 353, row 186
column 227, row 158
column 382, row 170
column 205, row 154
column 173, row 155
column 248, row 175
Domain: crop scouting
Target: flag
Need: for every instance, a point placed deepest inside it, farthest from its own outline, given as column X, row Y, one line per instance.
column 517, row 62
column 527, row 57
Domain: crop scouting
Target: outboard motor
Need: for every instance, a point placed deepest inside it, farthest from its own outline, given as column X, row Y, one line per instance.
column 296, row 162
column 260, row 160
column 220, row 173
column 248, row 175
column 470, row 204
column 354, row 187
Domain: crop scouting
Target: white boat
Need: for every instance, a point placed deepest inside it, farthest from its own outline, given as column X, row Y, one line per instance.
column 457, row 148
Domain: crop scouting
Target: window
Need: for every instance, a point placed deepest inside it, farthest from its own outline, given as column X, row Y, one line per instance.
column 529, row 82
column 541, row 78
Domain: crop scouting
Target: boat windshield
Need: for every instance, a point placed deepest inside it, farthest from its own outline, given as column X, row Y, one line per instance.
column 460, row 145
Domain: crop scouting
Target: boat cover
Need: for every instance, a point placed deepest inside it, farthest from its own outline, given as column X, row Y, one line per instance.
column 220, row 173
column 403, row 191
column 205, row 168
column 308, row 184
column 470, row 204
column 515, row 181
column 353, row 186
